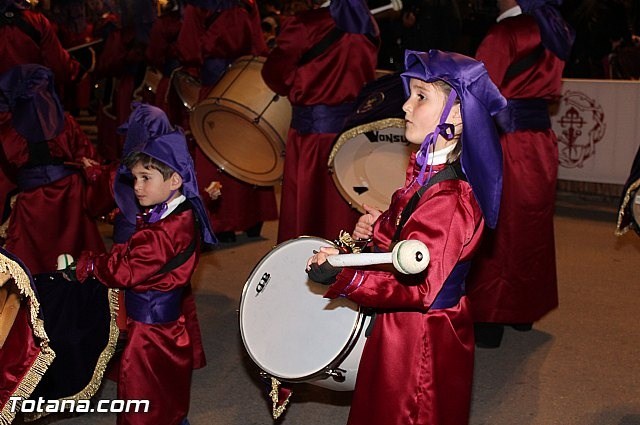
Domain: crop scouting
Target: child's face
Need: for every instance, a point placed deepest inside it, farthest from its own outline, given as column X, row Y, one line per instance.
column 151, row 188
column 422, row 112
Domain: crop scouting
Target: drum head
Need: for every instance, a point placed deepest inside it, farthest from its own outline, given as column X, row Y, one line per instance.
column 290, row 331
column 232, row 140
column 369, row 163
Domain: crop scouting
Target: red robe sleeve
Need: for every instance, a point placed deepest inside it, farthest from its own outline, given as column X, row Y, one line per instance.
column 449, row 223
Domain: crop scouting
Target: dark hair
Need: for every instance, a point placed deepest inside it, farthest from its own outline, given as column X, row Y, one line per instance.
column 148, row 162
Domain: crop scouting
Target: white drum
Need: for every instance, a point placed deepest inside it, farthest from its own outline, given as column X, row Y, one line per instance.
column 369, row 158
column 290, row 331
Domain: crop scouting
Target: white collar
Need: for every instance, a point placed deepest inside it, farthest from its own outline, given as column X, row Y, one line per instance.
column 514, row 11
column 172, row 205
column 439, row 157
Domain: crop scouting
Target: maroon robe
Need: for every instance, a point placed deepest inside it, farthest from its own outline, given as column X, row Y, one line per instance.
column 310, row 203
column 52, row 219
column 513, row 279
column 18, row 48
column 158, row 360
column 417, row 365
column 234, row 33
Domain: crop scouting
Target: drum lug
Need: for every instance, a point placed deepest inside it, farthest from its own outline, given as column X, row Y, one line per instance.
column 337, row 374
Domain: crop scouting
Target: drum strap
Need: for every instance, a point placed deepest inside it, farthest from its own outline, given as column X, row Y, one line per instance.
column 450, row 172
column 327, row 41
column 321, row 46
column 523, row 64
column 524, row 114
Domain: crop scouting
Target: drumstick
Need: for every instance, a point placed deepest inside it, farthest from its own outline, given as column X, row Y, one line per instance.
column 408, row 257
column 8, row 316
column 395, row 5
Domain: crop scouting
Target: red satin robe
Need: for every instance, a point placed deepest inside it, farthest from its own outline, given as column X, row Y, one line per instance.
column 158, row 360
column 234, row 33
column 311, row 203
column 417, row 365
column 513, row 279
column 51, row 219
column 16, row 47
column 163, row 48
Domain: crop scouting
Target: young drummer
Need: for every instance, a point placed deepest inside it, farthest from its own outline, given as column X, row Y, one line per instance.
column 155, row 267
column 417, row 363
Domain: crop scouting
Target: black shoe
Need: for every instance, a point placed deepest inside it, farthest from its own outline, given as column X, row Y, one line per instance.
column 488, row 335
column 522, row 327
column 254, row 231
column 226, row 237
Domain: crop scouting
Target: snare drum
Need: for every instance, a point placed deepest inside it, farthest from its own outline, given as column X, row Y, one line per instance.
column 187, row 88
column 369, row 159
column 290, row 330
column 242, row 125
column 149, row 87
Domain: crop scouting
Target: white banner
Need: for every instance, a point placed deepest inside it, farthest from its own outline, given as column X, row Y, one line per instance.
column 598, row 128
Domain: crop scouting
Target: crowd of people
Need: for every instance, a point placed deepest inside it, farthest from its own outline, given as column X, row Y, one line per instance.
column 480, row 189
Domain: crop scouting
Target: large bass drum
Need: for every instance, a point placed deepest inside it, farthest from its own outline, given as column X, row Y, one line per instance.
column 369, row 158
column 290, row 330
column 242, row 125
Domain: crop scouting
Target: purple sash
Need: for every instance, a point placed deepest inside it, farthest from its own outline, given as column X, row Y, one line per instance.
column 41, row 175
column 153, row 306
column 453, row 288
column 524, row 114
column 320, row 118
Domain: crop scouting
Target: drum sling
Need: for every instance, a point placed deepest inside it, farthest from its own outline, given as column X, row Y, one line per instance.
column 453, row 288
column 154, row 306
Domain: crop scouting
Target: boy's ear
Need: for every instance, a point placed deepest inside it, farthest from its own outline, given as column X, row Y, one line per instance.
column 176, row 181
column 456, row 113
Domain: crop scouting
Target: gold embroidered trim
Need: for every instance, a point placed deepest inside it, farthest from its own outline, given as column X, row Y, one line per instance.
column 627, row 197
column 351, row 133
column 277, row 410
column 28, row 384
column 103, row 360
column 46, row 354
column 5, row 226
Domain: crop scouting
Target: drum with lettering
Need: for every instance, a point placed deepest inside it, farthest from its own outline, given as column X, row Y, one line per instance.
column 369, row 158
column 290, row 330
column 242, row 125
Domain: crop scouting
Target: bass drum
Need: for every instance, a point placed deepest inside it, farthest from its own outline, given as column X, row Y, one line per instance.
column 369, row 158
column 291, row 331
column 242, row 125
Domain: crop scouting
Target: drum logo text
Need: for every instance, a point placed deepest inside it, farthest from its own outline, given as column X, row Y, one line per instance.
column 389, row 137
column 264, row 281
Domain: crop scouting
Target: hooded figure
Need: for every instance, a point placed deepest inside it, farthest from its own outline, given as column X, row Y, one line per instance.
column 417, row 362
column 513, row 279
column 50, row 215
column 148, row 131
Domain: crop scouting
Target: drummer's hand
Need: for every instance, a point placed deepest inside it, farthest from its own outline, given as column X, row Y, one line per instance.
column 364, row 226
column 88, row 162
column 319, row 269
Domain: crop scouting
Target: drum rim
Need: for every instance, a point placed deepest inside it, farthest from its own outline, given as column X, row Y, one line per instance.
column 342, row 355
column 626, row 209
column 199, row 112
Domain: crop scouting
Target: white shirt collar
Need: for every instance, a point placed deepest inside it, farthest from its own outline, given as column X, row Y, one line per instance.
column 439, row 157
column 514, row 11
column 172, row 205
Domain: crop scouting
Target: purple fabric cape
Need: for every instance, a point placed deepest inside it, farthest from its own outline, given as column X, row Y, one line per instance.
column 480, row 99
column 28, row 92
column 556, row 34
column 353, row 16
